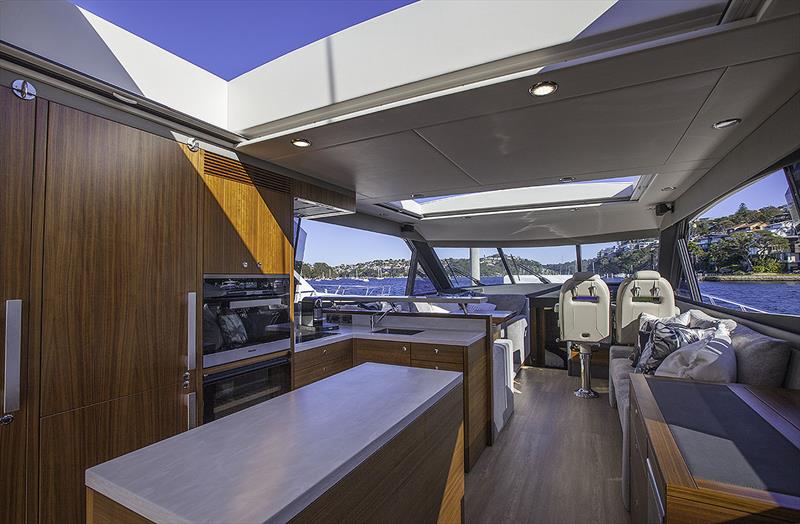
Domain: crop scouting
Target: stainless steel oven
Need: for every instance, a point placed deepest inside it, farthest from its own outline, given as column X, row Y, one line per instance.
column 230, row 391
column 245, row 316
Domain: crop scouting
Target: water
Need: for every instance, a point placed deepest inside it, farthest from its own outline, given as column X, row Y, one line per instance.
column 772, row 297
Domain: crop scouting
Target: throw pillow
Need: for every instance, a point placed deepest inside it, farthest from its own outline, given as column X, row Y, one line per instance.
column 710, row 359
column 664, row 340
column 646, row 323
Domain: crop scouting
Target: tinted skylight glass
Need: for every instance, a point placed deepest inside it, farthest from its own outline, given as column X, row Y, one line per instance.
column 547, row 197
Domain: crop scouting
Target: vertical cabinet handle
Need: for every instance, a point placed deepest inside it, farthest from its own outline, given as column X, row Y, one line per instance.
column 13, row 356
column 191, row 410
column 191, row 332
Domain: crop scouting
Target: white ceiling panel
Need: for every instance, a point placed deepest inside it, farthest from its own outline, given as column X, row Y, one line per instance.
column 395, row 164
column 751, row 92
column 621, row 129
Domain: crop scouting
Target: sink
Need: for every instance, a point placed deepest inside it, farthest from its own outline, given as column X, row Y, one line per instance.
column 398, row 331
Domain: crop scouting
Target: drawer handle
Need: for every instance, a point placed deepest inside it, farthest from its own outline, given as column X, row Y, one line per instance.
column 405, row 348
column 435, row 367
column 324, row 351
column 436, row 350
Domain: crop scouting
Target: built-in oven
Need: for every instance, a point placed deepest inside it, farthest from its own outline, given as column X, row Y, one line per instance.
column 245, row 316
column 230, row 391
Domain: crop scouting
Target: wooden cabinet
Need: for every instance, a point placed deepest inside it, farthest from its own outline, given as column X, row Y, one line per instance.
column 382, row 351
column 315, row 364
column 439, row 354
column 120, row 256
column 17, row 130
column 247, row 226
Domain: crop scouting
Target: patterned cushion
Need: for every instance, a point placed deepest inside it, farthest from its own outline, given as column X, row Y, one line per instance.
column 664, row 339
column 710, row 359
column 646, row 323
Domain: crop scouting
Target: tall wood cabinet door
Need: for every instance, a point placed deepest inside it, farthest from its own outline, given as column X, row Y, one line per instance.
column 75, row 440
column 120, row 257
column 17, row 126
column 247, row 229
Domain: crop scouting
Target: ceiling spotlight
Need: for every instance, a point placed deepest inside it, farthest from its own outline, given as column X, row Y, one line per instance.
column 543, row 88
column 417, row 195
column 730, row 122
column 301, row 142
column 668, row 188
column 566, row 179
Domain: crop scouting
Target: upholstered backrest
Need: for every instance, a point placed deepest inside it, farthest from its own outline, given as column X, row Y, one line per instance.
column 584, row 309
column 644, row 292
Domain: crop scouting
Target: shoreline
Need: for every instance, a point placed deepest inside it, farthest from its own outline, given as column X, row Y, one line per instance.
column 764, row 277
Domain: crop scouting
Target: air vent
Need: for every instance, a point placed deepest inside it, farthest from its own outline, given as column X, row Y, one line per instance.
column 224, row 167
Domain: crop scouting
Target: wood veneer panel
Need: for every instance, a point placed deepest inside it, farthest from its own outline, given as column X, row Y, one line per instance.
column 246, row 224
column 320, row 195
column 444, row 366
column 416, row 477
column 478, row 399
column 119, row 259
column 382, row 352
column 76, row 440
column 321, row 369
column 437, row 353
column 102, row 510
column 311, row 357
column 17, row 131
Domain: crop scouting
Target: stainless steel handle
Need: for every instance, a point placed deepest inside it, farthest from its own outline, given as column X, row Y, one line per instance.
column 191, row 332
column 436, row 350
column 405, row 348
column 191, row 410
column 13, row 351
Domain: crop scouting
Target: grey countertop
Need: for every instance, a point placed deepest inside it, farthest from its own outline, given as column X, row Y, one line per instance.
column 452, row 337
column 270, row 461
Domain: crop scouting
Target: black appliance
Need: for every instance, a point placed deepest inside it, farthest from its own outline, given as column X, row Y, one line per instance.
column 230, row 391
column 244, row 317
column 311, row 312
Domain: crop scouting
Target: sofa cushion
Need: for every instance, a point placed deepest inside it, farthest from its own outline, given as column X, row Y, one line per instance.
column 620, row 369
column 707, row 360
column 665, row 339
column 760, row 359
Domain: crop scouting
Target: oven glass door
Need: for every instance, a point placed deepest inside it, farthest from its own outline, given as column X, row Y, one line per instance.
column 231, row 391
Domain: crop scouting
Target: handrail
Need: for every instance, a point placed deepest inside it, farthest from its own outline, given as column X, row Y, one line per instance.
column 713, row 299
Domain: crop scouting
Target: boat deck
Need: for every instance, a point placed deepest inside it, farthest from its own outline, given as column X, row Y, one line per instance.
column 558, row 459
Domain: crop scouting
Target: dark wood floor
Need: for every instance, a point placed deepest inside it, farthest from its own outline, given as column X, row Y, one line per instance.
column 557, row 461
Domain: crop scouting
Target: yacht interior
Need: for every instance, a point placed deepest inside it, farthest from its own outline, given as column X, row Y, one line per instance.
column 597, row 320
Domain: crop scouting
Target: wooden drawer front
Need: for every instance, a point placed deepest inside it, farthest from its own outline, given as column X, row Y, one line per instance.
column 303, row 377
column 437, row 353
column 332, row 352
column 382, row 351
column 445, row 366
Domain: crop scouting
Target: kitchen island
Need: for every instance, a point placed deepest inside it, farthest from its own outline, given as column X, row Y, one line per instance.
column 369, row 444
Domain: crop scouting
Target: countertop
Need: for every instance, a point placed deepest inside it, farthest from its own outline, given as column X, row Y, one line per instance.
column 270, row 461
column 453, row 337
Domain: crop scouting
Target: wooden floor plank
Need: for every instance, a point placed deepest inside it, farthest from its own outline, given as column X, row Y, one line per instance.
column 558, row 460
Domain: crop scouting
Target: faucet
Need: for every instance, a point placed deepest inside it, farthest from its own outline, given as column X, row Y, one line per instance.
column 380, row 316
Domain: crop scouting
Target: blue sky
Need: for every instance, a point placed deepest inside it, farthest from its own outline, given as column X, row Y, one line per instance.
column 769, row 191
column 232, row 37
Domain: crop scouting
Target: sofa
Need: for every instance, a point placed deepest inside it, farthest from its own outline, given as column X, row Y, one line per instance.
column 761, row 360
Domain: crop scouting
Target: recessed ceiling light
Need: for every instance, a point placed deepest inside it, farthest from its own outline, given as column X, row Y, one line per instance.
column 301, row 142
column 543, row 88
column 566, row 179
column 417, row 195
column 668, row 188
column 730, row 122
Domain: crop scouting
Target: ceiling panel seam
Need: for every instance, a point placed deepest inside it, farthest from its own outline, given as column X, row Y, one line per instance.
column 446, row 157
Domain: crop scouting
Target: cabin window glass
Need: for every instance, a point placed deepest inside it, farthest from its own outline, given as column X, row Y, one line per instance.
column 614, row 261
column 541, row 265
column 422, row 283
column 458, row 267
column 745, row 250
column 348, row 261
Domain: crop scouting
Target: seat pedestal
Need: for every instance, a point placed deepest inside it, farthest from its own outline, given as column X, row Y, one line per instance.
column 586, row 391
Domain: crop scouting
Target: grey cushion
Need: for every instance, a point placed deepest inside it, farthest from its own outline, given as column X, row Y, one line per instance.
column 707, row 360
column 760, row 360
column 793, row 373
column 666, row 338
column 620, row 369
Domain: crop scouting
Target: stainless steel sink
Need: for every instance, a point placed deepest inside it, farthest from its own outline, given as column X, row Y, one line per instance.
column 398, row 331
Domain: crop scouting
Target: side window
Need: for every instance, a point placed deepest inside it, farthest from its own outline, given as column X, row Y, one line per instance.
column 744, row 250
column 554, row 264
column 347, row 261
column 422, row 284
